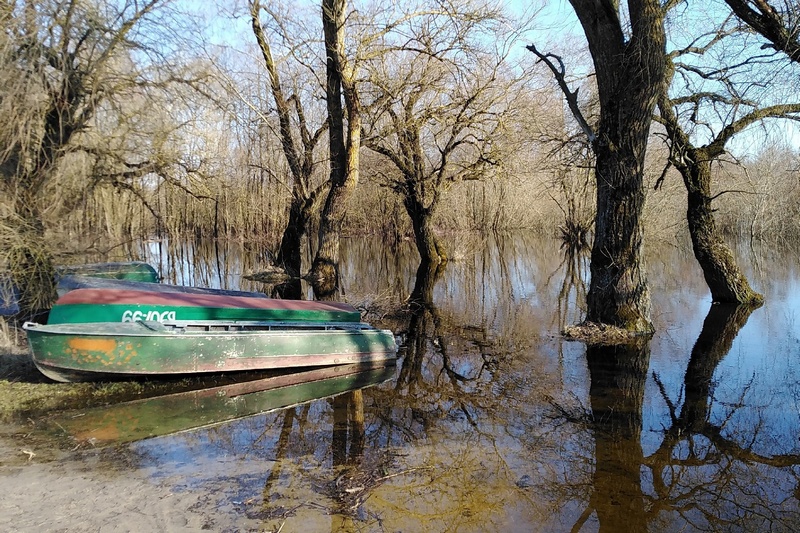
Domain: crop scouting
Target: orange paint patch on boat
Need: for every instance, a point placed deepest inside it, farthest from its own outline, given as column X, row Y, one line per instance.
column 93, row 345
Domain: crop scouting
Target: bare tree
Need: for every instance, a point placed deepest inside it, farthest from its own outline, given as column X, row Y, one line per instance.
column 61, row 62
column 82, row 81
column 344, row 136
column 627, row 47
column 709, row 96
column 439, row 103
column 779, row 25
column 301, row 159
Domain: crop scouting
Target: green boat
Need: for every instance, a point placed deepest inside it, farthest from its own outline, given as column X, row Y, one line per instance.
column 123, row 305
column 117, row 350
column 173, row 413
column 129, row 274
column 73, row 282
column 127, row 270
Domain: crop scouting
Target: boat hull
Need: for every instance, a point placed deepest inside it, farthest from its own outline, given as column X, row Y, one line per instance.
column 69, row 283
column 128, row 274
column 123, row 305
column 107, row 350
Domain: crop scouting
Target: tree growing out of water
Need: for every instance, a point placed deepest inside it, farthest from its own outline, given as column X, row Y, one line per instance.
column 441, row 93
column 716, row 87
column 299, row 145
column 627, row 45
column 344, row 142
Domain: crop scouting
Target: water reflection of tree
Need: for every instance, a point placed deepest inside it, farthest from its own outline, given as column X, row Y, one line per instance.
column 427, row 327
column 424, row 317
column 703, row 474
column 448, row 380
column 354, row 474
column 726, row 455
column 574, row 264
column 347, row 444
column 618, row 377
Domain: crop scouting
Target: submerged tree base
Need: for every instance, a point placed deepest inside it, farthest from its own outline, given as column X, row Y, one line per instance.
column 596, row 333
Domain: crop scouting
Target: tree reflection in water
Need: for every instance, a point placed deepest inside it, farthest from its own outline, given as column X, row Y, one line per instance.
column 618, row 375
column 704, row 475
column 494, row 423
column 424, row 323
column 430, row 338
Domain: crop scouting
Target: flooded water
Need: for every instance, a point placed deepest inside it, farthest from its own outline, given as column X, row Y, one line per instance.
column 490, row 421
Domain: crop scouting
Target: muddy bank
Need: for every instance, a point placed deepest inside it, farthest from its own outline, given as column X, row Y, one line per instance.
column 49, row 486
column 78, row 493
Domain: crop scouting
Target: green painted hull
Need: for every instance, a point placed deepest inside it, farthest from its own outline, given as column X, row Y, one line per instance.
column 110, row 350
column 173, row 413
column 80, row 313
column 122, row 305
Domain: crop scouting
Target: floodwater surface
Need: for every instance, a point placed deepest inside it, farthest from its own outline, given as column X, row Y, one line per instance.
column 490, row 421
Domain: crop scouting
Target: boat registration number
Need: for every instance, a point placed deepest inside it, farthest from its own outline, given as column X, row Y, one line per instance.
column 133, row 316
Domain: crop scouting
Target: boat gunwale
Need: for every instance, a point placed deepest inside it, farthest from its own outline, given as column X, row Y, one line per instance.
column 149, row 328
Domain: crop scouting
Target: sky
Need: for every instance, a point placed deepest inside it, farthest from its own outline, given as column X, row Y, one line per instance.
column 555, row 29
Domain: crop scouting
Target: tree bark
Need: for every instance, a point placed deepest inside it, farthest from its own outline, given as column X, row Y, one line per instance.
column 324, row 275
column 301, row 163
column 430, row 249
column 630, row 72
column 773, row 24
column 344, row 151
column 618, row 291
column 723, row 276
column 289, row 252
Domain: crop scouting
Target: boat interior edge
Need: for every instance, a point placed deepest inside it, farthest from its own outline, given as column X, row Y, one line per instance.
column 249, row 325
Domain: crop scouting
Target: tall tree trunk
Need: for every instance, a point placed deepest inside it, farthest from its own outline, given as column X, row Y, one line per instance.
column 301, row 162
column 344, row 151
column 630, row 70
column 618, row 291
column 723, row 276
column 324, row 275
column 289, row 253
column 289, row 256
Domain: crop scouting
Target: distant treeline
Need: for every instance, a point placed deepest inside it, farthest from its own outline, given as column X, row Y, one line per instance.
column 759, row 199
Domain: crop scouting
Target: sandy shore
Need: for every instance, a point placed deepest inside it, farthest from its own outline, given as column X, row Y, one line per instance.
column 72, row 494
column 46, row 490
column 171, row 484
